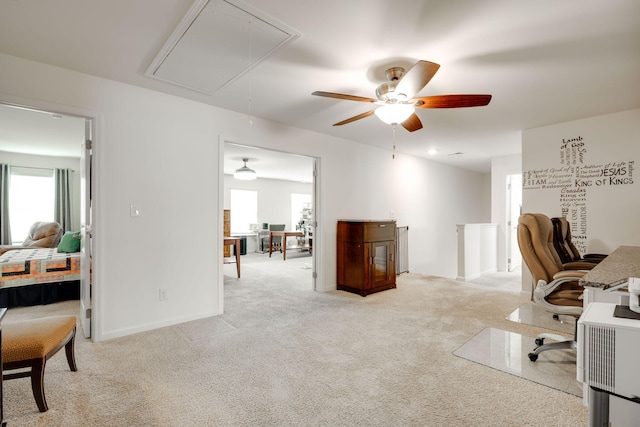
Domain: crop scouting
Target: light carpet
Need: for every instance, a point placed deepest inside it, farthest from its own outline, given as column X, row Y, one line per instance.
column 281, row 356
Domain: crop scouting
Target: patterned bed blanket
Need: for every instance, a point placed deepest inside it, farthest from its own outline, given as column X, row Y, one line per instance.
column 22, row 267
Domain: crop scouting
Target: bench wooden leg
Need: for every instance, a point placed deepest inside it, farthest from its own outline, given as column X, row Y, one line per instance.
column 37, row 383
column 69, row 349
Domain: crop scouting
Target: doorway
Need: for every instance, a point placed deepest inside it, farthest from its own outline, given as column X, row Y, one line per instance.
column 514, row 209
column 285, row 182
column 39, row 138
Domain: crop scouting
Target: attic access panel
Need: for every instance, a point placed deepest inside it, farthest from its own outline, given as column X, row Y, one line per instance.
column 217, row 42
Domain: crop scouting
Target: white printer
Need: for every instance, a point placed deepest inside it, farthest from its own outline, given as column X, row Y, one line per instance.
column 609, row 350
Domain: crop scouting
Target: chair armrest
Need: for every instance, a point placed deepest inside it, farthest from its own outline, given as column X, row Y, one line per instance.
column 579, row 265
column 594, row 257
column 569, row 274
column 543, row 289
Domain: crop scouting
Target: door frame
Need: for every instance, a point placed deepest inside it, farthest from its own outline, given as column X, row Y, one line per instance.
column 316, row 255
column 93, row 118
column 514, row 181
column 86, row 232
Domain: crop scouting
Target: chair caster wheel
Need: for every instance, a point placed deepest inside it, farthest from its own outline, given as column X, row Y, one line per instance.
column 539, row 341
column 533, row 357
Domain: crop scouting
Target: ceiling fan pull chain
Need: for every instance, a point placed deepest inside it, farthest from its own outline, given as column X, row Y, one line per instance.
column 249, row 107
column 393, row 154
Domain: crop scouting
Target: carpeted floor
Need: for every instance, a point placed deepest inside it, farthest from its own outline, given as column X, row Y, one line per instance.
column 286, row 356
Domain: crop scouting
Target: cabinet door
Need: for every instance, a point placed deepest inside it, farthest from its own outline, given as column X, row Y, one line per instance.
column 352, row 264
column 382, row 265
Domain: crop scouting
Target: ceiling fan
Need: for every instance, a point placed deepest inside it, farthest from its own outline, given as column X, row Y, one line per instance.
column 396, row 97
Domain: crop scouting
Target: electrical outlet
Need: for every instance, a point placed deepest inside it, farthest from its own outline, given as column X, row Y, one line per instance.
column 163, row 294
column 392, row 214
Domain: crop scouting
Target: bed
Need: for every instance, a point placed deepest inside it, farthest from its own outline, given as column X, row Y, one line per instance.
column 34, row 276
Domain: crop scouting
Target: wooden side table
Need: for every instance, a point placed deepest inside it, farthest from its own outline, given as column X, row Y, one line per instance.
column 283, row 244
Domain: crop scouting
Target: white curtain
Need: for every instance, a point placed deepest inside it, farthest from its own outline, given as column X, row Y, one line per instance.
column 62, row 208
column 5, row 225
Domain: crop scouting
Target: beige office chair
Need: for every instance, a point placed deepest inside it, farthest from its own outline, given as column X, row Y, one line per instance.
column 564, row 246
column 556, row 287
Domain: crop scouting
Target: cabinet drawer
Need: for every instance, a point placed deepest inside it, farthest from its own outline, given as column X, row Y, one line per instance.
column 379, row 231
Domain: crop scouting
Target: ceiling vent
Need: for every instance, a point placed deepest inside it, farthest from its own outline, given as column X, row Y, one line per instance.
column 216, row 43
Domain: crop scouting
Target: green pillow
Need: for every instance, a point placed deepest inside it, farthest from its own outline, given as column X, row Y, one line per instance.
column 70, row 242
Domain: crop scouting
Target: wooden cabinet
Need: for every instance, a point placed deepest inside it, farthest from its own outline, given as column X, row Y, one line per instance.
column 366, row 256
column 226, row 232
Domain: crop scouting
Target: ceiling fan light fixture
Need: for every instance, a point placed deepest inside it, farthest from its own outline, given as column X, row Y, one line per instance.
column 386, row 90
column 245, row 173
column 394, row 113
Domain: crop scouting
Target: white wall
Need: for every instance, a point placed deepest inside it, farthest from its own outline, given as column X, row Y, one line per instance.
column 359, row 181
column 155, row 151
column 274, row 197
column 30, row 160
column 477, row 250
column 274, row 201
column 588, row 168
column 160, row 153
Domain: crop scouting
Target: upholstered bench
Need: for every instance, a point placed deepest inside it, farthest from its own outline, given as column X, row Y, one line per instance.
column 30, row 343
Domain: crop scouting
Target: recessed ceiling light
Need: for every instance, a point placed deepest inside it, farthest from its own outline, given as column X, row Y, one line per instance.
column 432, row 152
column 458, row 154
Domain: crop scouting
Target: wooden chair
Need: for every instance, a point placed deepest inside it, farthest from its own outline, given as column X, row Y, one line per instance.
column 30, row 343
column 276, row 242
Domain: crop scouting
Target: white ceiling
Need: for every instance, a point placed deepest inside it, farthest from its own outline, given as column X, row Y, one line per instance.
column 35, row 132
column 268, row 164
column 544, row 62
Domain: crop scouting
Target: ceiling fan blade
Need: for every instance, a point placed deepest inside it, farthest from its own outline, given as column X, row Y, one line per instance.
column 354, row 118
column 343, row 96
column 416, row 78
column 413, row 123
column 452, row 101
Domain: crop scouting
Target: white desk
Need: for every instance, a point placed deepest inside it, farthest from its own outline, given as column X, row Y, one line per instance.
column 251, row 239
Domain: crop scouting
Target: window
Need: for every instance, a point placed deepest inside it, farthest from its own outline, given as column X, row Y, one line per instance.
column 298, row 203
column 244, row 210
column 31, row 199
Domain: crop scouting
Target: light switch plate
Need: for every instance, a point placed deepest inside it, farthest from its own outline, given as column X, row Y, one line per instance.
column 134, row 212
